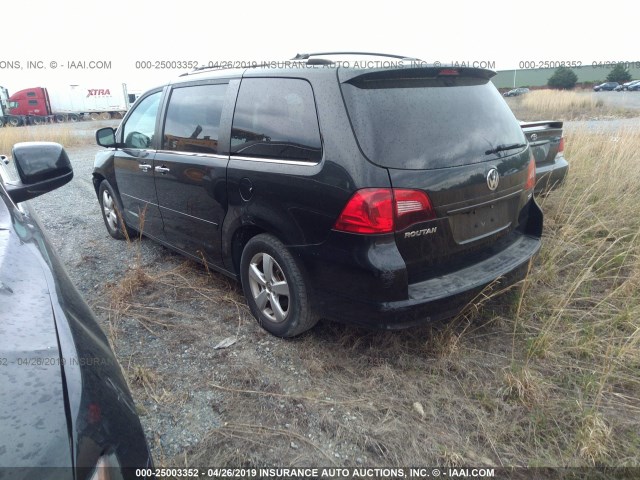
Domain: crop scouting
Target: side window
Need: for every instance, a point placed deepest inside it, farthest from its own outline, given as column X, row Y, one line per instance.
column 276, row 118
column 193, row 119
column 33, row 102
column 138, row 131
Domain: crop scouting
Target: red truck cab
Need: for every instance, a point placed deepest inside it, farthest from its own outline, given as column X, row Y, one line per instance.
column 30, row 101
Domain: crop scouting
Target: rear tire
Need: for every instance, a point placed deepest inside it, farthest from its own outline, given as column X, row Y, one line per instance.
column 112, row 212
column 37, row 120
column 275, row 287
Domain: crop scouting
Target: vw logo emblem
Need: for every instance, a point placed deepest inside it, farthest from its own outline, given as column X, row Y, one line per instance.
column 493, row 178
column 534, row 137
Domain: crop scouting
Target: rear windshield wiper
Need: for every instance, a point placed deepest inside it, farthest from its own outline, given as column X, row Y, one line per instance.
column 502, row 148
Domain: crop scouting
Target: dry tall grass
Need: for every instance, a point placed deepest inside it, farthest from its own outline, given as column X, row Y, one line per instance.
column 557, row 102
column 581, row 313
column 563, row 105
column 64, row 134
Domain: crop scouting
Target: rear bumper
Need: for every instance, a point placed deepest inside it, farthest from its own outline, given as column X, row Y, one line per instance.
column 550, row 176
column 370, row 289
column 436, row 298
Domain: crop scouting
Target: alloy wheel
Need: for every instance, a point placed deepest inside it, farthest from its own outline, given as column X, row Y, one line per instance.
column 269, row 287
column 109, row 210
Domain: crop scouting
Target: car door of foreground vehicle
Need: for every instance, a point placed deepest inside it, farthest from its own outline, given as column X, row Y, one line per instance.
column 134, row 166
column 191, row 164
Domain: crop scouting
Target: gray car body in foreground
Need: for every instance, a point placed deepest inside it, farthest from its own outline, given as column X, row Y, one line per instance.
column 65, row 408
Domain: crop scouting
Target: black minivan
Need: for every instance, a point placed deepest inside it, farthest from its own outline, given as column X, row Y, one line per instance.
column 385, row 196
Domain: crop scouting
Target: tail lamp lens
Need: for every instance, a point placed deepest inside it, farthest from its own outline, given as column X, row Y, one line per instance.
column 383, row 210
column 368, row 211
column 531, row 174
column 412, row 206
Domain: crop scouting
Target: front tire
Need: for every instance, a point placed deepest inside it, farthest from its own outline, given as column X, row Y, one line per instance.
column 112, row 212
column 275, row 288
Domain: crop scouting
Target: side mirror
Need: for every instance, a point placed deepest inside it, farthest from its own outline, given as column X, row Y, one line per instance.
column 106, row 137
column 41, row 166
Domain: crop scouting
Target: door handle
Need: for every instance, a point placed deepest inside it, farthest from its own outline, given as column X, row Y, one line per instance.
column 144, row 167
column 162, row 170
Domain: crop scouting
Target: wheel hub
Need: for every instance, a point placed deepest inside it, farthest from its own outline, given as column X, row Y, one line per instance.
column 269, row 287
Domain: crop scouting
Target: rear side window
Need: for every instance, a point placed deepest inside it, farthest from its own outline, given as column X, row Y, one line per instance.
column 428, row 123
column 193, row 118
column 275, row 118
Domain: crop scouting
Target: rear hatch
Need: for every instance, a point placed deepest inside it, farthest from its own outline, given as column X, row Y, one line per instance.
column 444, row 132
column 544, row 139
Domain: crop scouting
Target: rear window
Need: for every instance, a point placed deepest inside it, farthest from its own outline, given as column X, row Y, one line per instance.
column 428, row 123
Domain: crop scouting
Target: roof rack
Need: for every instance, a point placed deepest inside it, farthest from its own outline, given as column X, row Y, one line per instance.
column 305, row 56
column 202, row 69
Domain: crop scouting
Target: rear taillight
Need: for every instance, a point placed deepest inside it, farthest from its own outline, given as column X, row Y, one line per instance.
column 561, row 146
column 531, row 174
column 383, row 210
column 369, row 210
column 412, row 206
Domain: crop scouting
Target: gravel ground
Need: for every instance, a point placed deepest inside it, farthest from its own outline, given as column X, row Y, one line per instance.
column 618, row 125
column 619, row 99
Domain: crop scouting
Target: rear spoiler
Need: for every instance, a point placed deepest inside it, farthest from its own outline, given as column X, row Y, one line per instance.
column 541, row 123
column 406, row 71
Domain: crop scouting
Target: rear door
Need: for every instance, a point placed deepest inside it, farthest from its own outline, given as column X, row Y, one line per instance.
column 449, row 133
column 190, row 167
column 134, row 166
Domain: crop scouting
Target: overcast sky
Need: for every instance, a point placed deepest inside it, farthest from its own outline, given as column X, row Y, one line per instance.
column 120, row 33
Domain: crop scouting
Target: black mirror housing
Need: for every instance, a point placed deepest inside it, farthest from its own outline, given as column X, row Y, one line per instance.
column 106, row 137
column 41, row 166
